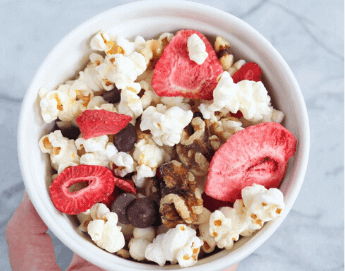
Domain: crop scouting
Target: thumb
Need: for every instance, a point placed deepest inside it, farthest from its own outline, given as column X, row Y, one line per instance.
column 29, row 246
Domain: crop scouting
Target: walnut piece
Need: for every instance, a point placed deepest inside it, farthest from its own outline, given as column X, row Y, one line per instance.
column 224, row 54
column 152, row 51
column 198, row 143
column 181, row 200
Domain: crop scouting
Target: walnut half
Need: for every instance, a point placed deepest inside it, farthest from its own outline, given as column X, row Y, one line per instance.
column 181, row 200
column 199, row 141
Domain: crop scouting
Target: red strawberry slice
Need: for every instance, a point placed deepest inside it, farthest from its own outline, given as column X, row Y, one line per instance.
column 125, row 185
column 213, row 204
column 176, row 75
column 258, row 154
column 100, row 185
column 238, row 114
column 110, row 199
column 249, row 71
column 93, row 123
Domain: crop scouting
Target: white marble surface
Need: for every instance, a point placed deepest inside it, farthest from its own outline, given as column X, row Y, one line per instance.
column 308, row 34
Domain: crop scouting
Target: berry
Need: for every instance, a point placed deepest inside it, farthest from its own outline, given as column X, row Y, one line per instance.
column 176, row 75
column 100, row 185
column 93, row 123
column 125, row 185
column 213, row 204
column 110, row 199
column 249, row 71
column 258, row 154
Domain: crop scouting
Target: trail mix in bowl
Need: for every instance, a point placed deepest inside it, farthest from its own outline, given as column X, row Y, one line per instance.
column 166, row 149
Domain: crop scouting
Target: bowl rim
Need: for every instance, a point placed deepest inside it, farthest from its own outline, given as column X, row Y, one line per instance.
column 304, row 141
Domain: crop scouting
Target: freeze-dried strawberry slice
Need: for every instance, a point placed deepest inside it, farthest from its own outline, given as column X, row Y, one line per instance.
column 93, row 123
column 258, row 154
column 176, row 75
column 213, row 204
column 111, row 198
column 125, row 185
column 238, row 114
column 249, row 71
column 100, row 185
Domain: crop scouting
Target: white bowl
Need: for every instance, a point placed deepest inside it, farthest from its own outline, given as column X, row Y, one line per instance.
column 148, row 19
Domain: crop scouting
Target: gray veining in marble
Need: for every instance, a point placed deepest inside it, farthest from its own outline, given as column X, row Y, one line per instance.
column 310, row 37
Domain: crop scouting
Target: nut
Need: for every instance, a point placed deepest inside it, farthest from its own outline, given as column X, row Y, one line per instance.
column 199, row 141
column 224, row 54
column 152, row 51
column 181, row 200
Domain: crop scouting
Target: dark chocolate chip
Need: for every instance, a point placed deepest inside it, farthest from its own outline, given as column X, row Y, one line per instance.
column 125, row 139
column 142, row 212
column 112, row 96
column 120, row 205
column 198, row 114
column 71, row 132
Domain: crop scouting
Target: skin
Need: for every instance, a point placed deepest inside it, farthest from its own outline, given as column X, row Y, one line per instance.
column 31, row 248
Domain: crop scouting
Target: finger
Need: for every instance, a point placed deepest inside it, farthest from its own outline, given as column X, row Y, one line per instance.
column 232, row 268
column 79, row 263
column 29, row 246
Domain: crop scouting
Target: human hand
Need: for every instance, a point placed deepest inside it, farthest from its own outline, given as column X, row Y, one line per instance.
column 31, row 248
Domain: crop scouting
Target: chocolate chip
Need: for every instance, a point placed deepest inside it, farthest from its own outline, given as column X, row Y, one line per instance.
column 120, row 205
column 142, row 212
column 71, row 132
column 112, row 96
column 125, row 139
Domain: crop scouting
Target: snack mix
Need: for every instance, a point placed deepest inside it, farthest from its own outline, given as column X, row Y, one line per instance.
column 166, row 149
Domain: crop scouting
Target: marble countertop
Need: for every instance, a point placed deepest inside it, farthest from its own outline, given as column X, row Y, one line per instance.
column 308, row 34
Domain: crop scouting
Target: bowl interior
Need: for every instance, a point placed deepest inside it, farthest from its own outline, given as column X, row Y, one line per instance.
column 71, row 55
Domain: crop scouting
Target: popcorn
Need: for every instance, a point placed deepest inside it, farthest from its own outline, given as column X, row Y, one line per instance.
column 150, row 97
column 149, row 157
column 262, row 205
column 179, row 244
column 99, row 150
column 154, row 252
column 196, row 49
column 95, row 103
column 165, row 125
column 130, row 104
column 137, row 248
column 90, row 76
column 102, row 41
column 122, row 70
column 209, row 242
column 92, row 144
column 142, row 238
column 250, row 97
column 61, row 149
column 124, row 162
column 103, row 229
column 258, row 206
column 50, row 104
column 188, row 255
column 84, row 219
